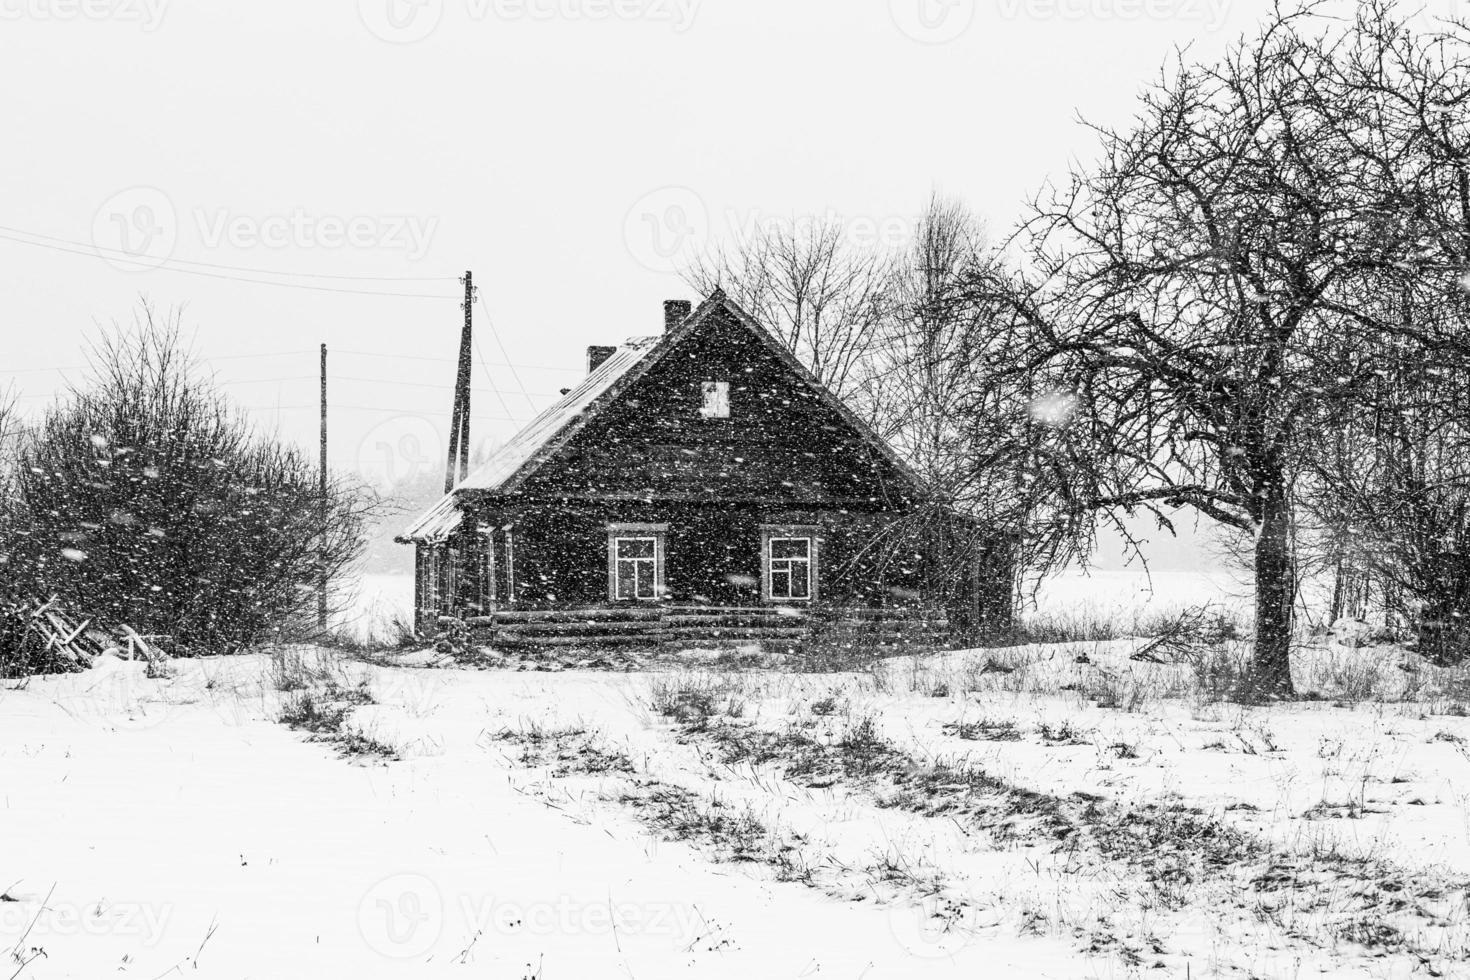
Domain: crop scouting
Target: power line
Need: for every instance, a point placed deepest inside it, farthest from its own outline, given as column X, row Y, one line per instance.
column 125, row 255
column 506, row 354
column 419, row 412
column 446, row 360
column 220, row 357
column 351, row 377
column 147, row 264
column 413, row 384
column 239, row 357
column 310, row 377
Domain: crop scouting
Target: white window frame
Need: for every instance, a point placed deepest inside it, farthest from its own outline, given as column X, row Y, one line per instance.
column 510, row 565
column 636, row 532
column 449, row 600
column 487, row 575
column 428, row 573
column 812, row 536
column 716, row 404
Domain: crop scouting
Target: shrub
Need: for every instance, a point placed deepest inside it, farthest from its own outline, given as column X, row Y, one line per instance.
column 145, row 499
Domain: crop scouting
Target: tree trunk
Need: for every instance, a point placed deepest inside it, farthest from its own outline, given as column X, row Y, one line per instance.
column 1270, row 669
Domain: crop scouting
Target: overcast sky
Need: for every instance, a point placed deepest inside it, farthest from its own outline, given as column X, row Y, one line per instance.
column 563, row 150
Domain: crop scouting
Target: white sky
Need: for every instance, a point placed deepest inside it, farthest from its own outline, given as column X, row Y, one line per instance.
column 541, row 143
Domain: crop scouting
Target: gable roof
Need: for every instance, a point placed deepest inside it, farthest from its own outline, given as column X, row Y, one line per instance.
column 545, row 435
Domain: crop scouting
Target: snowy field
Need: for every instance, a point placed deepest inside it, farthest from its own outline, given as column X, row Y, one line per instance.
column 1059, row 812
column 1126, row 593
column 375, row 602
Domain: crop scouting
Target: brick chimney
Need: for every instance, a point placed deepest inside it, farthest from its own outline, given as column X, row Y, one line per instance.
column 596, row 355
column 676, row 311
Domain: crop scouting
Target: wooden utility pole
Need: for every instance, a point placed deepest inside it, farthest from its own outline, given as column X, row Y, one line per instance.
column 458, row 465
column 321, row 596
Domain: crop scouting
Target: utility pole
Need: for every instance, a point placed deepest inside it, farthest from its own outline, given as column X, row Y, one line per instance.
column 321, row 596
column 465, row 371
column 458, row 465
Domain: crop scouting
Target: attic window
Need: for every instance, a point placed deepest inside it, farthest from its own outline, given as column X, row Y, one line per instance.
column 716, row 400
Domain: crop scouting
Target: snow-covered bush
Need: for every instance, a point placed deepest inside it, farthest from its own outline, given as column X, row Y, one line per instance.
column 143, row 498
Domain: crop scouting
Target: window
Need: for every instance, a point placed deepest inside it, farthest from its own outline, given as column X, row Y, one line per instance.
column 637, row 571
column 436, row 577
column 791, row 562
column 635, row 558
column 428, row 582
column 510, row 566
column 487, row 576
column 716, row 400
column 449, row 581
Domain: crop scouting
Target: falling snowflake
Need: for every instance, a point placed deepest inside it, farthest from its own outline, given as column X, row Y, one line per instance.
column 1054, row 409
column 73, row 554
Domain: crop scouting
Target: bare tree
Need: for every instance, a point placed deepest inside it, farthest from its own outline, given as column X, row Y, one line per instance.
column 946, row 397
column 1191, row 298
column 7, row 493
column 1396, row 497
column 821, row 293
column 144, row 499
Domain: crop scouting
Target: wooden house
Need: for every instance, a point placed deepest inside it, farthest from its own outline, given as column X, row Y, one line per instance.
column 698, row 484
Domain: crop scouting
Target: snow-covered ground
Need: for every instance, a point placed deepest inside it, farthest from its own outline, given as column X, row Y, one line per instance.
column 1128, row 592
column 375, row 602
column 162, row 827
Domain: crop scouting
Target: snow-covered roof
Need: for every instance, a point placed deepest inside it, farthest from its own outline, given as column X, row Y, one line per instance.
column 441, row 519
column 436, row 524
column 508, row 459
column 549, row 431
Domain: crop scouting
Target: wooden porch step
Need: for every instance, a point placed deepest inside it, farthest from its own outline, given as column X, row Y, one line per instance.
column 638, row 613
column 610, row 628
column 591, row 642
column 736, row 632
column 735, row 619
